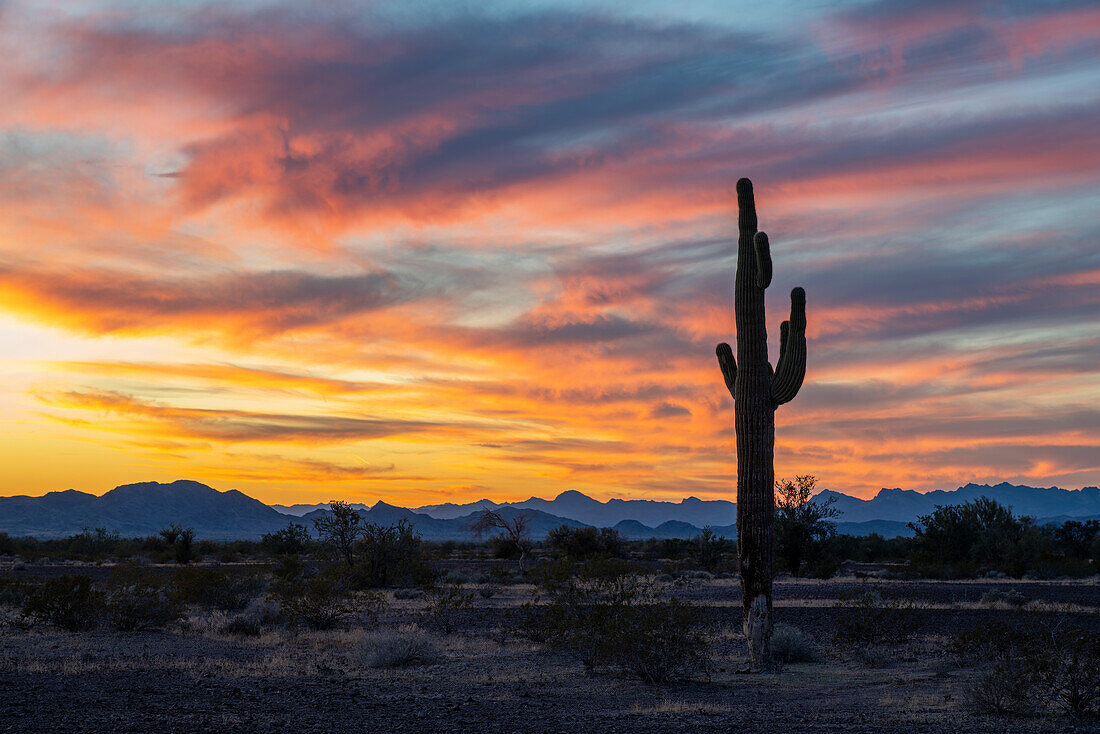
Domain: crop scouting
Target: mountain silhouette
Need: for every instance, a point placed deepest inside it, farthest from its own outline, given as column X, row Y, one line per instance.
column 144, row 508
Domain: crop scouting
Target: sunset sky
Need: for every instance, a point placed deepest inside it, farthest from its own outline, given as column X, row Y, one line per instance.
column 439, row 251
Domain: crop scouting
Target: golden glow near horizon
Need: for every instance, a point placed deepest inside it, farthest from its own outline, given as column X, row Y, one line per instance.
column 308, row 257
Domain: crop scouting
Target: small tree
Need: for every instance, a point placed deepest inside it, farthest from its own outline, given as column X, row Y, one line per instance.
column 340, row 529
column 515, row 531
column 799, row 520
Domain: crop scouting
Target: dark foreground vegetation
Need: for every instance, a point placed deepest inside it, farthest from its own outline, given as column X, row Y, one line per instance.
column 981, row 622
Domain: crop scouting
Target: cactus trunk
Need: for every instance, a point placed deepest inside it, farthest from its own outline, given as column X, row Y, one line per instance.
column 757, row 390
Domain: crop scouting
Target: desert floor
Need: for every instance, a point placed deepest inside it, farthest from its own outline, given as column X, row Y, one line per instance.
column 195, row 678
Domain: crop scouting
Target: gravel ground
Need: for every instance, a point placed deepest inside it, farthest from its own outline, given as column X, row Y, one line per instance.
column 195, row 679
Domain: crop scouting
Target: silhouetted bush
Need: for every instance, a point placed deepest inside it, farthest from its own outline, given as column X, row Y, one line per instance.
column 958, row 540
column 67, row 601
column 181, row 541
column 229, row 590
column 293, row 540
column 390, row 555
column 586, row 542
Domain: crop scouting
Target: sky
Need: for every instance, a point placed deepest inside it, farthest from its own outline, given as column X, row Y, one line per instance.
column 440, row 251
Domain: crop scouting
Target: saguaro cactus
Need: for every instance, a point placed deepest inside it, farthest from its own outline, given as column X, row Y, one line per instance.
column 757, row 391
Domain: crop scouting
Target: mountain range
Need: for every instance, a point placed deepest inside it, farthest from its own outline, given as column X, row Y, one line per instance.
column 144, row 508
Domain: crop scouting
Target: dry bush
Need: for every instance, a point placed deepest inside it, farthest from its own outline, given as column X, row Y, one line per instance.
column 618, row 621
column 447, row 604
column 139, row 600
column 322, row 601
column 791, row 645
column 258, row 616
column 1033, row 665
column 400, row 648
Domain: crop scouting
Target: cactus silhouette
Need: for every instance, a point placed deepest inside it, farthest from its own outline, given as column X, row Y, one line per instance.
column 757, row 391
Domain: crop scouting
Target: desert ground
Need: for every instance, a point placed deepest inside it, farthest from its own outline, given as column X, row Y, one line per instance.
column 484, row 675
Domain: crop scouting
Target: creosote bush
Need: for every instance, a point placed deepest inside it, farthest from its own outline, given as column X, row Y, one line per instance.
column 1033, row 665
column 229, row 590
column 868, row 617
column 607, row 617
column 68, row 602
column 322, row 601
column 446, row 605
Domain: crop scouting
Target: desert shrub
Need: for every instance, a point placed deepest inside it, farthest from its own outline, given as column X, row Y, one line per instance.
column 1032, row 664
column 791, row 645
column 867, row 617
column 446, row 605
column 407, row 593
column 230, row 590
column 390, row 556
column 1011, row 597
column 551, row 575
column 13, row 590
column 661, row 641
column 139, row 600
column 320, row 602
column 399, row 648
column 664, row 577
column 586, row 542
column 7, row 545
column 617, row 621
column 67, row 601
column 260, row 614
column 293, row 540
column 958, row 540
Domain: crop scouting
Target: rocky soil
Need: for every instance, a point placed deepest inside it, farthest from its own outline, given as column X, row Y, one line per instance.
column 196, row 679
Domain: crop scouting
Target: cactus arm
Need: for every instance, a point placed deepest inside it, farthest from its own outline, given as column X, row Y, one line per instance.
column 763, row 260
column 728, row 365
column 790, row 370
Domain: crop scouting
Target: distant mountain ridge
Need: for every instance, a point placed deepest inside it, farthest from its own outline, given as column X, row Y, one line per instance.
column 144, row 508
